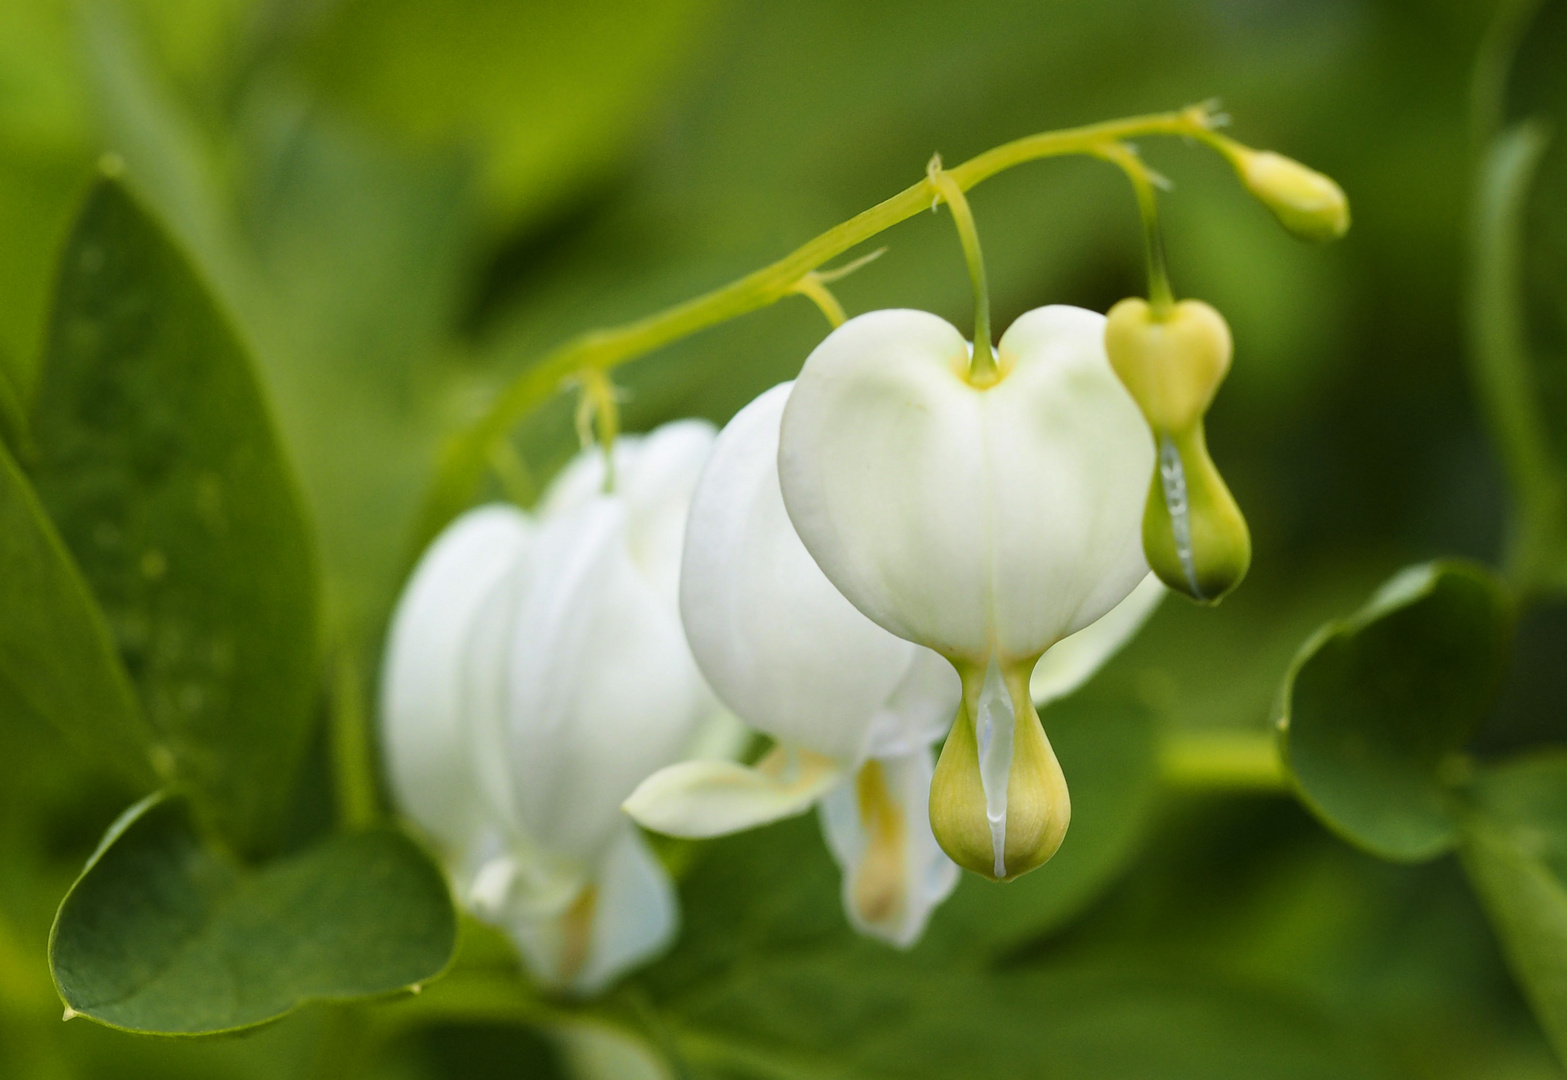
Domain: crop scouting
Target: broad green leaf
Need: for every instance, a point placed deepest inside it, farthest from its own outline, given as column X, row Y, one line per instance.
column 57, row 660
column 1378, row 706
column 157, row 462
column 13, row 420
column 165, row 933
column 1108, row 750
column 1515, row 849
column 881, row 1017
column 343, row 258
column 545, row 95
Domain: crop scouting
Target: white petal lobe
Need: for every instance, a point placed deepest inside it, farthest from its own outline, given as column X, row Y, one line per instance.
column 973, row 521
column 425, row 731
column 776, row 641
column 1074, row 660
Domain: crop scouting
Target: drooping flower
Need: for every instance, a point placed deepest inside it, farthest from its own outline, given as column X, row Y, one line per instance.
column 986, row 521
column 536, row 671
column 854, row 709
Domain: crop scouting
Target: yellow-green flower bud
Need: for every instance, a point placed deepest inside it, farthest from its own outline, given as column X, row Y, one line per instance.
column 1173, row 365
column 1194, row 536
column 1307, row 203
column 998, row 799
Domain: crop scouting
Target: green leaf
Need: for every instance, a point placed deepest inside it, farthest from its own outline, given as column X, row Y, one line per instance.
column 13, row 420
column 1378, row 706
column 157, row 462
column 1515, row 850
column 165, row 933
column 545, row 94
column 57, row 659
column 1518, row 293
column 879, row 1017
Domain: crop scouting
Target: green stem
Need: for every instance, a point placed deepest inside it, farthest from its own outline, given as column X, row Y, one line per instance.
column 982, row 364
column 1161, row 298
column 1244, row 761
column 357, row 802
column 1501, row 360
column 812, row 288
column 463, row 460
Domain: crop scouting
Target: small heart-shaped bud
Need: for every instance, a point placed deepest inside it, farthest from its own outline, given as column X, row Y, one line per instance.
column 1307, row 203
column 1171, row 364
column 1194, row 534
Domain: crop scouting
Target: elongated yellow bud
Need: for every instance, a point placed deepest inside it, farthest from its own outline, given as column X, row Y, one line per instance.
column 1306, row 202
column 998, row 800
column 1194, row 535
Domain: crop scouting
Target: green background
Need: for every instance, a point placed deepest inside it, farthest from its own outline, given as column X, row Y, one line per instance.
column 400, row 205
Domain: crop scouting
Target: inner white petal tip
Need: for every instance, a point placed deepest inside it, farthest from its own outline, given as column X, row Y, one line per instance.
column 993, row 729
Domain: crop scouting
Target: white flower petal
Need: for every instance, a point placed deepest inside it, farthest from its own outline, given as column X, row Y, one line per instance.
column 638, row 914
column 713, row 798
column 894, row 874
column 776, row 641
column 1073, row 660
column 602, row 689
column 972, row 521
column 654, row 477
column 625, row 915
column 594, row 1050
column 424, row 725
column 920, row 709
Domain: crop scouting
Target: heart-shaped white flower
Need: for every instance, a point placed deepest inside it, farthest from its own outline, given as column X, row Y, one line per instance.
column 984, row 522
column 536, row 671
column 854, row 708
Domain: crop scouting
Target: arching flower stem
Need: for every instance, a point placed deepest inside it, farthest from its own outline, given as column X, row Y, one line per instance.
column 1161, row 298
column 464, row 459
column 982, row 366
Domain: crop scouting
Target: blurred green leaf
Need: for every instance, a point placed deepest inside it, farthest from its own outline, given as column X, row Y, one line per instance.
column 1515, row 849
column 164, row 933
column 1108, row 749
column 878, row 1018
column 1377, row 706
column 13, row 419
column 1518, row 308
column 57, row 659
column 157, row 462
column 544, row 95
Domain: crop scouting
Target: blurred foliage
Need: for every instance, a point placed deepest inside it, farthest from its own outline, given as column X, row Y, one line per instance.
column 400, row 205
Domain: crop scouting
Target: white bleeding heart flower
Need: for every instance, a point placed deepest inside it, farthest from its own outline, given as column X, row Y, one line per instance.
column 854, row 709
column 536, row 671
column 987, row 521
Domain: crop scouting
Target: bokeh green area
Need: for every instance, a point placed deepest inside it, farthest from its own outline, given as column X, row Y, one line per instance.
column 405, row 203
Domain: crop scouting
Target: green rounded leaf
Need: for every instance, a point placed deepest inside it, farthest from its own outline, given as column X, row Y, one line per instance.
column 157, row 461
column 165, row 933
column 57, row 660
column 1378, row 706
column 1515, row 850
